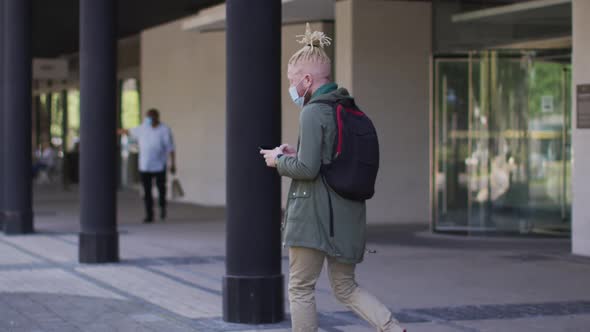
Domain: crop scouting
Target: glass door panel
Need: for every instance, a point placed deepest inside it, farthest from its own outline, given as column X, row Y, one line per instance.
column 502, row 152
column 452, row 117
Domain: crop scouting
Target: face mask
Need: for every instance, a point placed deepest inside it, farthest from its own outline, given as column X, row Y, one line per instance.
column 298, row 100
column 147, row 120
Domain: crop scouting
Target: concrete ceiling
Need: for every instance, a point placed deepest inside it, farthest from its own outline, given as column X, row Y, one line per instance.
column 56, row 22
column 539, row 12
column 293, row 11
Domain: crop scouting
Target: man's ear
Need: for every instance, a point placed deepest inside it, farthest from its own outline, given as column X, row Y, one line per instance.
column 309, row 80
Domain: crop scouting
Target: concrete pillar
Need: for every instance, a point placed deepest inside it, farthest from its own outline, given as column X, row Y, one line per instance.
column 580, row 137
column 98, row 87
column 17, row 121
column 64, row 139
column 37, row 120
column 48, row 116
column 253, row 284
column 64, row 124
column 383, row 51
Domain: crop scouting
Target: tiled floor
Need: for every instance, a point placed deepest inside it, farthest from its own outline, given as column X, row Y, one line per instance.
column 169, row 278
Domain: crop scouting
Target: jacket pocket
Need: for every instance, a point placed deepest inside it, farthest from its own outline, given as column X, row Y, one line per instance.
column 301, row 193
column 298, row 202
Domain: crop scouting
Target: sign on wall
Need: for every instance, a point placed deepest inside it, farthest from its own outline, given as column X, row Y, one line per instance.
column 547, row 104
column 50, row 69
column 583, row 101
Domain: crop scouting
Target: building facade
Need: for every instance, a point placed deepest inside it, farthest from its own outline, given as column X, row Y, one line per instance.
column 476, row 104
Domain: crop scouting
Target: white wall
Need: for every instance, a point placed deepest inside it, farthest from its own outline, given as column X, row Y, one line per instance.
column 344, row 47
column 388, row 46
column 581, row 137
column 183, row 75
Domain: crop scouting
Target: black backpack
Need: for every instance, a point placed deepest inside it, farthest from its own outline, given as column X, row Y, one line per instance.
column 353, row 171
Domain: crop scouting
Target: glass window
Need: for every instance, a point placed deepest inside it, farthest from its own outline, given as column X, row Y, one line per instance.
column 130, row 104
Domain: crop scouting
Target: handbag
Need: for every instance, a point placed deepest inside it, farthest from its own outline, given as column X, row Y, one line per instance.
column 177, row 191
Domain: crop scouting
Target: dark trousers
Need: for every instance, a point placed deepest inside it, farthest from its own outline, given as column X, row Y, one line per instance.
column 147, row 178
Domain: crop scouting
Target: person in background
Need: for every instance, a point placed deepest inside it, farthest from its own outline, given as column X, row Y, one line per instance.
column 45, row 159
column 156, row 148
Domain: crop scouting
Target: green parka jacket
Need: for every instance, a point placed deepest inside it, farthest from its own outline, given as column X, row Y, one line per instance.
column 307, row 218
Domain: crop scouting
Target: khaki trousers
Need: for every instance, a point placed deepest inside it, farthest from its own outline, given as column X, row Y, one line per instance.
column 305, row 266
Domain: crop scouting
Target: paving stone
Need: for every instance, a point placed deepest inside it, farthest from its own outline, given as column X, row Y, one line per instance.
column 61, row 328
column 98, row 327
column 55, row 281
column 147, row 318
column 175, row 297
column 508, row 311
column 12, row 319
column 172, row 326
column 11, row 256
column 576, row 323
column 205, row 275
column 47, row 247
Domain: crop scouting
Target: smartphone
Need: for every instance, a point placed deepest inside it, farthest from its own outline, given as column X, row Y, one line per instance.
column 266, row 147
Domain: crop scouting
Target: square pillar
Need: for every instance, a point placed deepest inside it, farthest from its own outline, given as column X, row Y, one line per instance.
column 580, row 137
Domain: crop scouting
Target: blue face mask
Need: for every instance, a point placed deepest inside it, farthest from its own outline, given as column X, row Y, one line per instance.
column 147, row 120
column 298, row 100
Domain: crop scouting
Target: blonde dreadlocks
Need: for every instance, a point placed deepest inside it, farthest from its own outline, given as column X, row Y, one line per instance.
column 313, row 51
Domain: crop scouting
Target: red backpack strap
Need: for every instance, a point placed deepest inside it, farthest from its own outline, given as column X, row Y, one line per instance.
column 339, row 126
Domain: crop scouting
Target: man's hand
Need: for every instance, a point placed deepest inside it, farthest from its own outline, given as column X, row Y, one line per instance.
column 288, row 150
column 173, row 162
column 270, row 156
column 122, row 131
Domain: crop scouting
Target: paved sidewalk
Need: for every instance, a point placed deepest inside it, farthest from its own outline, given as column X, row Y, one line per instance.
column 170, row 278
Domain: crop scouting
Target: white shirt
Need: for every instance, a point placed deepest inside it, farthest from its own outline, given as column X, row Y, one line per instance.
column 155, row 144
column 48, row 157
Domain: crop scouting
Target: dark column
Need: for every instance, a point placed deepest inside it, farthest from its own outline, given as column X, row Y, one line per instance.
column 17, row 104
column 98, row 89
column 37, row 120
column 66, row 169
column 64, row 124
column 253, row 284
column 2, row 112
column 119, row 125
column 48, row 116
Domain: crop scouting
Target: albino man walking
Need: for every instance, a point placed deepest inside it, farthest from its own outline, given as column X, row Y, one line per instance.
column 321, row 225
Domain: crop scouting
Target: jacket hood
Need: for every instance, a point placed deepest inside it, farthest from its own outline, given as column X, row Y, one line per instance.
column 333, row 96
